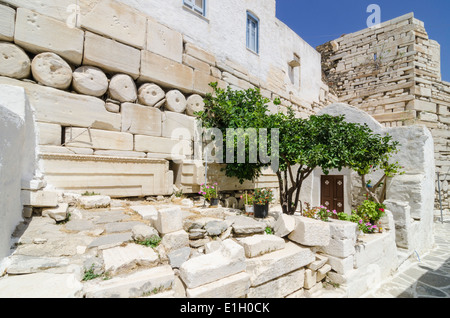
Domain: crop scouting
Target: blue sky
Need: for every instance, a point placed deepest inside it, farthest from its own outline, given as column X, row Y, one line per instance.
column 320, row 21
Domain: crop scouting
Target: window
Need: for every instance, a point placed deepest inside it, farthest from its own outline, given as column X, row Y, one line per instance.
column 198, row 6
column 252, row 33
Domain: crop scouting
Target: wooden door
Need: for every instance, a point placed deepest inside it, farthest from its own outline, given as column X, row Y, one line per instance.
column 332, row 192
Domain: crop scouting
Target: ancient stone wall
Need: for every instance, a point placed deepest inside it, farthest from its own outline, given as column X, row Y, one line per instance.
column 393, row 73
column 118, row 84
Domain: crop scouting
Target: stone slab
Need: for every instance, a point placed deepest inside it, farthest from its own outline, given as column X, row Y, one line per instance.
column 41, row 285
column 235, row 286
column 280, row 287
column 120, row 259
column 111, row 56
column 164, row 41
column 257, row 245
column 111, row 240
column 138, row 284
column 115, row 20
column 310, row 232
column 165, row 72
column 7, row 21
column 141, row 120
column 162, row 145
column 169, row 220
column 272, row 265
column 98, row 139
column 66, row 109
column 178, row 126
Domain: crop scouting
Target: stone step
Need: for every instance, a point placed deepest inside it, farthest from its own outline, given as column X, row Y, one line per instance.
column 41, row 285
column 138, row 284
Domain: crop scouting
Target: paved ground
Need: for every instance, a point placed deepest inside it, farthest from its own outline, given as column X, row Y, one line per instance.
column 425, row 276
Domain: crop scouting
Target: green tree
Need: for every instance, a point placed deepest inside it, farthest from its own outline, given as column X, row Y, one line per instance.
column 304, row 144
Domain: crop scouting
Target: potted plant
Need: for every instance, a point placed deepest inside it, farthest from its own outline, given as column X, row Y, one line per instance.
column 261, row 200
column 210, row 193
column 248, row 199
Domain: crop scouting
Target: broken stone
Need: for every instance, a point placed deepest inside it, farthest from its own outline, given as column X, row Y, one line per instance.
column 284, row 225
column 310, row 232
column 109, row 241
column 113, row 108
column 148, row 212
column 150, row 94
column 51, row 70
column 257, row 245
column 175, row 240
column 247, row 226
column 58, row 214
column 215, row 228
column 134, row 285
column 179, row 256
column 123, row 88
column 90, row 80
column 94, row 201
column 142, row 233
column 119, row 259
column 169, row 220
column 175, row 101
column 14, row 62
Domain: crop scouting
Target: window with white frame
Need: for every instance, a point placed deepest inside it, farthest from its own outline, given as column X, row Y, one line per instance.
column 252, row 32
column 198, row 6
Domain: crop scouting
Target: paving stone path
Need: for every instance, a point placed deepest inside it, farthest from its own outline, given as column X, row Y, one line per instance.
column 425, row 276
column 54, row 257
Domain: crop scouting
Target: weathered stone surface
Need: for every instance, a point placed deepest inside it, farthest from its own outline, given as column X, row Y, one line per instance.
column 257, row 245
column 175, row 101
column 179, row 256
column 14, row 62
column 150, row 94
column 222, row 263
column 272, row 265
column 111, row 107
column 38, row 33
column 120, row 259
column 66, row 109
column 110, row 240
column 195, row 104
column 134, row 285
column 166, row 72
column 142, row 233
column 94, row 201
column 119, row 227
column 39, row 198
column 142, row 120
column 178, row 126
column 49, row 134
column 310, row 278
column 247, row 226
column 280, row 287
column 120, row 153
column 169, row 220
column 90, row 80
column 99, row 139
column 175, row 240
column 115, row 20
column 122, row 88
column 164, row 41
column 234, row 286
column 7, row 22
column 215, row 228
column 174, row 148
column 111, row 56
column 284, row 225
column 58, row 214
column 339, row 247
column 200, row 54
column 147, row 212
column 310, row 232
column 24, row 264
column 41, row 285
column 51, row 70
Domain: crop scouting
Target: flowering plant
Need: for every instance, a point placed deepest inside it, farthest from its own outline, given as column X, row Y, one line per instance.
column 262, row 196
column 319, row 213
column 366, row 216
column 209, row 192
column 248, row 198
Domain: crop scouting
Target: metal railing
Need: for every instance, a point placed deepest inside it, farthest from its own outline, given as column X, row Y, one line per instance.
column 439, row 191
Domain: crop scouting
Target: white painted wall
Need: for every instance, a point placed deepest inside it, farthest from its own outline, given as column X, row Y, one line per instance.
column 223, row 33
column 17, row 158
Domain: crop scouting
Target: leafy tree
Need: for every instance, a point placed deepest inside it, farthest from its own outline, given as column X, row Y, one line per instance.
column 304, row 144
